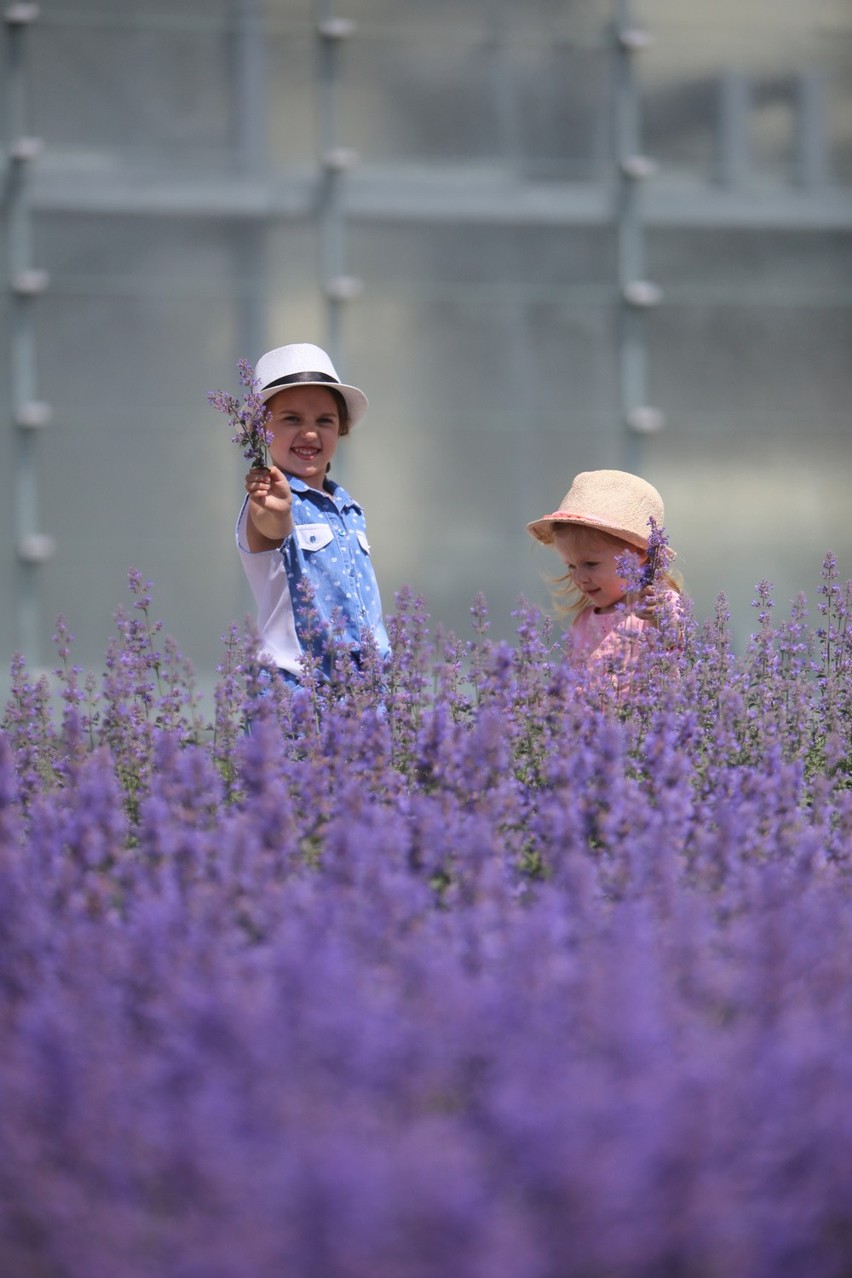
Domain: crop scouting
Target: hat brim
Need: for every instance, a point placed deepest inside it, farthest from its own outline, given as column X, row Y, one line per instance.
column 543, row 529
column 356, row 400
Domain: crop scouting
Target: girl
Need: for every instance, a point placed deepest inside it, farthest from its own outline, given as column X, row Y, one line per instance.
column 605, row 515
column 302, row 539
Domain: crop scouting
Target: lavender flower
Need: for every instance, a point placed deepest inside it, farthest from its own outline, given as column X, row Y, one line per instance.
column 642, row 576
column 249, row 418
column 659, row 554
column 494, row 977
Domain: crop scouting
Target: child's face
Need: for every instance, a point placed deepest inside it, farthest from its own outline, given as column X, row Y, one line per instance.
column 305, row 428
column 590, row 559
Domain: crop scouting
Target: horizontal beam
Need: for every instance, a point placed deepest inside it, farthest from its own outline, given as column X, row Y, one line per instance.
column 430, row 195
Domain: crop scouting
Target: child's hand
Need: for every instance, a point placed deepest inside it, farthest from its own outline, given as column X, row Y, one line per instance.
column 267, row 487
column 270, row 505
column 648, row 606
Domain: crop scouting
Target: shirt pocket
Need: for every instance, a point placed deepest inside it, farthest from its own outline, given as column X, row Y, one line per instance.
column 313, row 536
column 362, row 541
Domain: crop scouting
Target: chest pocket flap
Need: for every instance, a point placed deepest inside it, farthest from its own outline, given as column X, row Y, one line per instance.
column 362, row 540
column 313, row 536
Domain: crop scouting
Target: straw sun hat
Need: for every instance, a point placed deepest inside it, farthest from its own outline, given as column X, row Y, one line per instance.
column 608, row 501
column 302, row 364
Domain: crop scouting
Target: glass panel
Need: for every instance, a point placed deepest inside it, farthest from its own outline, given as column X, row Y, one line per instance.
column 756, row 329
column 144, row 319
column 488, row 359
column 742, row 508
column 473, row 94
column 781, row 71
column 8, row 453
column 486, row 334
column 185, row 89
column 750, row 362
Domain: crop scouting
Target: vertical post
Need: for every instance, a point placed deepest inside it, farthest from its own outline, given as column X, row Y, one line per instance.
column 734, row 111
column 503, row 90
column 251, row 143
column 636, row 293
column 26, row 283
column 335, row 161
column 518, row 376
column 811, row 159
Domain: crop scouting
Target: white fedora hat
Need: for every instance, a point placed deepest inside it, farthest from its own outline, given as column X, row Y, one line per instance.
column 302, row 364
column 609, row 501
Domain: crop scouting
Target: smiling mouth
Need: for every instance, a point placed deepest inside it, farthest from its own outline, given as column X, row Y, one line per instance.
column 306, row 454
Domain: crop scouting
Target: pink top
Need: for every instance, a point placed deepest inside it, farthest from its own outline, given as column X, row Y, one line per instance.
column 611, row 638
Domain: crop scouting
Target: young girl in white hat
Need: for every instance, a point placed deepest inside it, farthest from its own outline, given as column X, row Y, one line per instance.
column 302, row 538
column 604, row 515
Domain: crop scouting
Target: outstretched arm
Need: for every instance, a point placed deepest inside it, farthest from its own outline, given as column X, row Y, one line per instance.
column 270, row 503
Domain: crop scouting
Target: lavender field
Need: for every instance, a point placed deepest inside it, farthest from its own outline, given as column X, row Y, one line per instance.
column 465, row 969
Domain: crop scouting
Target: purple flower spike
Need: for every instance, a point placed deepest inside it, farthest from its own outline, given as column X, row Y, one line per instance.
column 640, row 576
column 659, row 554
column 249, row 418
column 451, row 965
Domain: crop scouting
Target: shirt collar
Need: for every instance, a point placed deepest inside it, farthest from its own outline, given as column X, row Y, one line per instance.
column 332, row 491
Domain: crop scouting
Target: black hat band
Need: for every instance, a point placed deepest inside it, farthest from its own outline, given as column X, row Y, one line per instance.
column 301, row 377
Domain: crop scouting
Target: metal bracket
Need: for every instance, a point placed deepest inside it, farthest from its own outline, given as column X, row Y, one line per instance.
column 645, row 420
column 343, row 288
column 26, row 149
column 33, row 415
column 634, row 39
column 19, row 15
column 337, row 28
column 643, row 294
column 36, row 548
column 30, row 283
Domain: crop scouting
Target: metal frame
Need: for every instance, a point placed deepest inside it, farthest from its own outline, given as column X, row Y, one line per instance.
column 26, row 285
column 339, row 191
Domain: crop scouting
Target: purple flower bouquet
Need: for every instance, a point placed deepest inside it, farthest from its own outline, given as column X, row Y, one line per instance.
column 249, row 418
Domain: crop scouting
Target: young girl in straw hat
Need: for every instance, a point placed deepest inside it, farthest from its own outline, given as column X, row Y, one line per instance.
column 302, row 538
column 605, row 517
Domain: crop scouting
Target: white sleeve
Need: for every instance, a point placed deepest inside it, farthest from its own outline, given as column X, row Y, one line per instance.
column 269, row 585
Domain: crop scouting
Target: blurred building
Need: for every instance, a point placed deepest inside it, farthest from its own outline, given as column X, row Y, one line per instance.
column 543, row 237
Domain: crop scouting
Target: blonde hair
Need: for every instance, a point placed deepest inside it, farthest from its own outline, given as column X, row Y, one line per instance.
column 568, row 600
